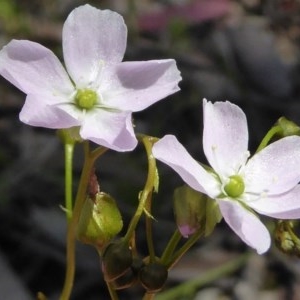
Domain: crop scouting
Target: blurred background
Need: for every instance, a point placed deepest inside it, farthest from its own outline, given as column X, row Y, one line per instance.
column 243, row 51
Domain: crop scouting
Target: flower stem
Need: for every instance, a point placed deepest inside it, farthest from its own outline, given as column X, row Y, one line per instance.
column 150, row 183
column 149, row 235
column 187, row 289
column 188, row 244
column 69, row 151
column 268, row 137
column 149, row 296
column 112, row 292
column 89, row 161
column 171, row 246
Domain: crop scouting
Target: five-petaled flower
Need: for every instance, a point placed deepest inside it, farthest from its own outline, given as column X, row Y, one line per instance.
column 99, row 92
column 266, row 183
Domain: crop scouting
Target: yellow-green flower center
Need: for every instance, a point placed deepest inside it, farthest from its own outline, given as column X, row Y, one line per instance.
column 86, row 99
column 235, row 187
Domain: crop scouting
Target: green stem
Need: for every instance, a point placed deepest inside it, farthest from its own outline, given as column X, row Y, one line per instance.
column 268, row 137
column 188, row 244
column 149, row 235
column 186, row 289
column 149, row 296
column 69, row 151
column 171, row 246
column 150, row 182
column 112, row 292
column 89, row 161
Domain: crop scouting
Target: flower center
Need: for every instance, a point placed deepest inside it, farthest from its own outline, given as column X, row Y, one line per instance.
column 235, row 187
column 86, row 99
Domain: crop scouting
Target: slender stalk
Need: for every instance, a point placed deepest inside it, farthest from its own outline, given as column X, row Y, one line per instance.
column 41, row 296
column 69, row 151
column 149, row 235
column 112, row 292
column 171, row 246
column 268, row 137
column 188, row 244
column 148, row 141
column 188, row 288
column 149, row 296
column 89, row 161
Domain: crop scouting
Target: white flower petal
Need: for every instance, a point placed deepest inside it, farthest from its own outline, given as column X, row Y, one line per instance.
column 36, row 112
column 275, row 169
column 92, row 38
column 225, row 136
column 34, row 69
column 137, row 85
column 172, row 153
column 284, row 206
column 246, row 225
column 110, row 129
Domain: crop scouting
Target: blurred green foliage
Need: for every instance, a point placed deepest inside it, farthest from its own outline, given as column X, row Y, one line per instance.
column 12, row 19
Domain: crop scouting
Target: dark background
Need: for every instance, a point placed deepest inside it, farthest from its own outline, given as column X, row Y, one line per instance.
column 244, row 51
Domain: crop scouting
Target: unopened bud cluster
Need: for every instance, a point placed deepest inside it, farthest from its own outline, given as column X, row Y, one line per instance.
column 123, row 269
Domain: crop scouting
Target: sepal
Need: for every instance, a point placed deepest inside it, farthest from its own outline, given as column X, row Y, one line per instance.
column 194, row 210
column 100, row 220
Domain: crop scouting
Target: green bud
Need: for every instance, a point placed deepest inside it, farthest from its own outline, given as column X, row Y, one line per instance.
column 235, row 187
column 153, row 277
column 100, row 221
column 117, row 260
column 287, row 127
column 189, row 209
column 194, row 210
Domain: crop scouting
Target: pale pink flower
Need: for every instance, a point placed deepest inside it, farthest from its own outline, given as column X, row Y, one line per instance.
column 266, row 183
column 98, row 92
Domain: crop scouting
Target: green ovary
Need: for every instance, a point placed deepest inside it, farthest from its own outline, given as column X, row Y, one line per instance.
column 235, row 187
column 86, row 99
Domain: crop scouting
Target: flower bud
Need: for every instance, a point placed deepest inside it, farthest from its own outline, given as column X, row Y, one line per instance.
column 287, row 127
column 193, row 210
column 100, row 220
column 285, row 239
column 153, row 277
column 117, row 259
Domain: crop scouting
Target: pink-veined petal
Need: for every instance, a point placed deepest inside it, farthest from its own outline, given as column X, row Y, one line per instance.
column 275, row 169
column 283, row 206
column 92, row 38
column 225, row 137
column 171, row 152
column 34, row 69
column 246, row 225
column 111, row 129
column 137, row 85
column 36, row 112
